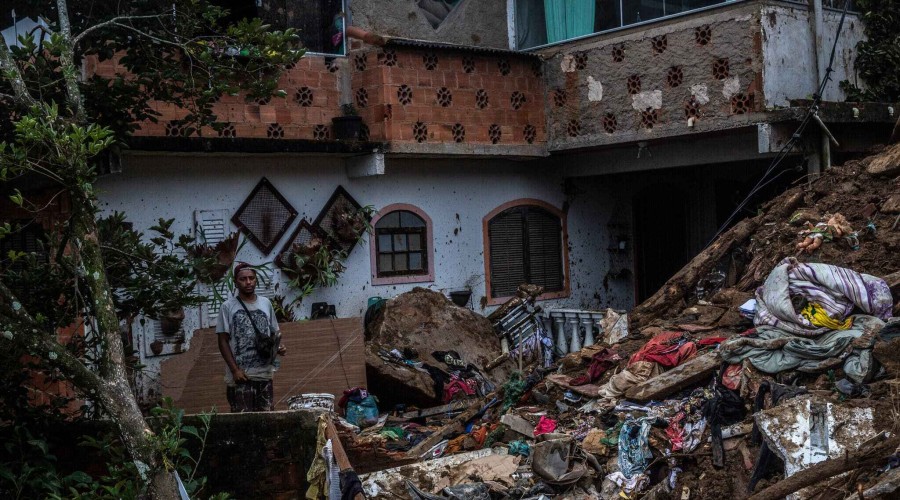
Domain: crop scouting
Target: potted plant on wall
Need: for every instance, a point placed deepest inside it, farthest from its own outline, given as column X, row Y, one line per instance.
column 310, row 265
column 212, row 262
column 348, row 126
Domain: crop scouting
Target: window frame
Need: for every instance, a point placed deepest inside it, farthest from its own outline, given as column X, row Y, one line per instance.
column 427, row 275
column 563, row 220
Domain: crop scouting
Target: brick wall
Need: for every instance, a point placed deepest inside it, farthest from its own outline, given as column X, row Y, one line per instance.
column 43, row 387
column 404, row 94
column 423, row 95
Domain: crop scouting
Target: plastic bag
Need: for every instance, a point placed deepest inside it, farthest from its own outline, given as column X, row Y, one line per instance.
column 364, row 413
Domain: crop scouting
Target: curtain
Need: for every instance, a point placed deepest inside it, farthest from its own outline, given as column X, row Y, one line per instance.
column 568, row 18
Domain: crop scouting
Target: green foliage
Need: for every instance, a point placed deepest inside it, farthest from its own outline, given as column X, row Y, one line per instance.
column 878, row 58
column 149, row 278
column 29, row 467
column 319, row 262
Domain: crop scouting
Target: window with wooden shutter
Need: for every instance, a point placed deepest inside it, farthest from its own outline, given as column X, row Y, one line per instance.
column 211, row 227
column 525, row 244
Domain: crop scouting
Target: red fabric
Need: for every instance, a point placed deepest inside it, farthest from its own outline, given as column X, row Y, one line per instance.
column 711, row 341
column 600, row 362
column 457, row 385
column 732, row 377
column 668, row 349
column 545, row 425
column 675, row 431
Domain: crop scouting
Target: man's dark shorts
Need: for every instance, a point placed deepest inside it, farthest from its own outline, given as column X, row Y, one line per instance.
column 251, row 396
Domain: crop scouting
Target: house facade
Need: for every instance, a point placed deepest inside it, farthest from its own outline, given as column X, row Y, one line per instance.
column 590, row 146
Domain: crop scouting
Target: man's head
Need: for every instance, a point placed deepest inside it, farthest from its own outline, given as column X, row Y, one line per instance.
column 245, row 279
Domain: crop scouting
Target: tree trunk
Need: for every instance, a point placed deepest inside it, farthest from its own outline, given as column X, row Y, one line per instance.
column 114, row 392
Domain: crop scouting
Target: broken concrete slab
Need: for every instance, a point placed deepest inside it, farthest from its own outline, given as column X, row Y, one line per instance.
column 425, row 321
column 518, row 424
column 434, row 475
column 324, row 356
column 892, row 205
column 691, row 372
column 809, row 429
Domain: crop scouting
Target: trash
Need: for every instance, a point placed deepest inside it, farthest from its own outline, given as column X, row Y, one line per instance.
column 689, row 373
column 554, row 462
column 748, row 309
column 634, row 450
column 363, row 413
column 614, row 327
column 519, row 448
column 545, row 425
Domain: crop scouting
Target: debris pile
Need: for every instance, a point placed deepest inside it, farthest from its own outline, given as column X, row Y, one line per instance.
column 763, row 369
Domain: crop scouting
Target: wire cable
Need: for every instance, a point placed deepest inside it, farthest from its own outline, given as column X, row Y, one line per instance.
column 795, row 137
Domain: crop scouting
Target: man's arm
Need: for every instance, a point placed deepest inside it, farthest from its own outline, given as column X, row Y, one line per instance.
column 228, row 356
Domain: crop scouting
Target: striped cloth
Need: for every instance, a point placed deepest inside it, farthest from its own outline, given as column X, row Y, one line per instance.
column 836, row 289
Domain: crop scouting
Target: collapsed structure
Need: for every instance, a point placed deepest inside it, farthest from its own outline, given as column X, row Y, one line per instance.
column 740, row 382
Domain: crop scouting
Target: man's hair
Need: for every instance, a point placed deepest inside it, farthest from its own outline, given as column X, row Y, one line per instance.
column 241, row 267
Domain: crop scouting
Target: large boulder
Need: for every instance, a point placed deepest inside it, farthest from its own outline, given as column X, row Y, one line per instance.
column 424, row 321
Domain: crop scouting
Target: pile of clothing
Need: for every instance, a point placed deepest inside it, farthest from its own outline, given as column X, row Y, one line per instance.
column 814, row 317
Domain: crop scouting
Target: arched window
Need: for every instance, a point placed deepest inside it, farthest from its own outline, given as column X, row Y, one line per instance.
column 526, row 244
column 402, row 250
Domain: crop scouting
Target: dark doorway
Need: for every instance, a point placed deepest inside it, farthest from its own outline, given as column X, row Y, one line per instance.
column 661, row 245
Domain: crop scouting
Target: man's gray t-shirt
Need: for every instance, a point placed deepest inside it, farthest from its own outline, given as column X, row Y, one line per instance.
column 234, row 321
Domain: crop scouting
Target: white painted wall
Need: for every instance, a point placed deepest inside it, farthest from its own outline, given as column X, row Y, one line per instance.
column 789, row 58
column 173, row 186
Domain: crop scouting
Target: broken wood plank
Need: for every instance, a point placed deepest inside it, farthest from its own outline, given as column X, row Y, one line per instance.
column 455, row 406
column 889, row 483
column 684, row 375
column 589, row 390
column 451, row 427
column 340, row 456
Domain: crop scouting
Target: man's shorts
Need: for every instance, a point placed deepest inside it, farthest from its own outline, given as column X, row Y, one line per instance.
column 254, row 395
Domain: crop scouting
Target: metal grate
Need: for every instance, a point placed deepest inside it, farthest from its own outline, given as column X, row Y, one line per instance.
column 304, row 233
column 340, row 201
column 265, row 216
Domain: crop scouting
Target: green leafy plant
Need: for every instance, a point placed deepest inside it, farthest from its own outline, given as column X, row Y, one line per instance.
column 878, row 57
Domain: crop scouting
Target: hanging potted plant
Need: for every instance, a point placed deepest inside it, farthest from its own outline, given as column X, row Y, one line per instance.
column 348, row 126
column 349, row 223
column 211, row 263
column 311, row 265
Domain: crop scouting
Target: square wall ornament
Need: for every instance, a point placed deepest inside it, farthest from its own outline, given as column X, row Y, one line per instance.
column 338, row 220
column 264, row 216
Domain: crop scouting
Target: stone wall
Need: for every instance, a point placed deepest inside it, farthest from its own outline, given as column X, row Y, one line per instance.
column 648, row 82
column 480, row 23
column 257, row 455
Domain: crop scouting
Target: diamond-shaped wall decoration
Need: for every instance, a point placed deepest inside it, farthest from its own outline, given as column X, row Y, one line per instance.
column 265, row 216
column 302, row 235
column 332, row 220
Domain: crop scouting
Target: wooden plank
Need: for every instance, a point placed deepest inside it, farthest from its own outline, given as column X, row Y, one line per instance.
column 325, row 356
column 454, row 426
column 684, row 375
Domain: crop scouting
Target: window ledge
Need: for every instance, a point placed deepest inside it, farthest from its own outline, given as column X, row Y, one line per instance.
column 562, row 294
column 402, row 280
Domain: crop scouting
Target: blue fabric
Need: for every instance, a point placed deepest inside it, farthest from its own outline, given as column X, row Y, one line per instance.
column 568, row 18
column 634, row 446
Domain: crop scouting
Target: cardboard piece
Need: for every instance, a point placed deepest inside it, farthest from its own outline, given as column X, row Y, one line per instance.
column 324, row 356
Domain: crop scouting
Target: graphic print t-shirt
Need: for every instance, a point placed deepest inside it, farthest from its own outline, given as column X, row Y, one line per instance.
column 233, row 320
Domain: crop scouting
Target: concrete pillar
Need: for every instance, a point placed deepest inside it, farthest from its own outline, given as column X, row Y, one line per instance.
column 575, row 341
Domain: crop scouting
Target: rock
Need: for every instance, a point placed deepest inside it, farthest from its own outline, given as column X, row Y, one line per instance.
column 892, row 205
column 426, row 321
column 691, row 372
column 886, row 163
column 888, row 354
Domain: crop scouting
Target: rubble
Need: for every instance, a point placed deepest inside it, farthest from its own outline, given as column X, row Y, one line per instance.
column 773, row 376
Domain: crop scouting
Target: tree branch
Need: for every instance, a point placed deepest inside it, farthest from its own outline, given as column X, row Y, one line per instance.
column 67, row 63
column 12, row 74
column 112, row 22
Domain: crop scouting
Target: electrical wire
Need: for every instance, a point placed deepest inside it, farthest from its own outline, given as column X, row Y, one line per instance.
column 795, row 137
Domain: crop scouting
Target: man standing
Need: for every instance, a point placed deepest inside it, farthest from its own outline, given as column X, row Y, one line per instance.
column 248, row 340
